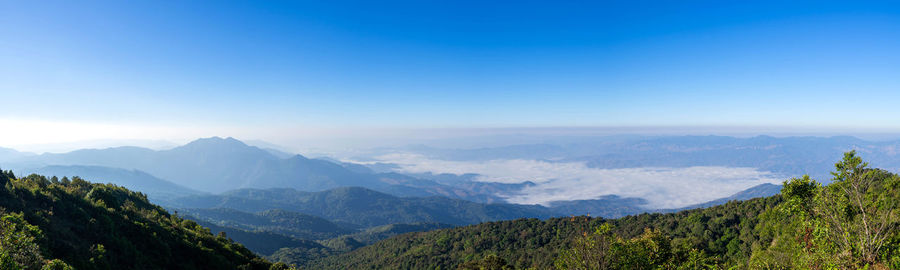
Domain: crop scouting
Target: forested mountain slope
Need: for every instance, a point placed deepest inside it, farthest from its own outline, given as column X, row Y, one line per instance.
column 363, row 207
column 537, row 243
column 97, row 226
column 293, row 224
column 220, row 164
column 135, row 180
column 851, row 223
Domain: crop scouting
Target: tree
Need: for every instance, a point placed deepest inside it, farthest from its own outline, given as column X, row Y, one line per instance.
column 56, row 264
column 589, row 251
column 850, row 223
column 5, row 177
column 651, row 250
column 18, row 243
column 859, row 208
column 280, row 266
column 490, row 262
column 696, row 260
column 797, row 237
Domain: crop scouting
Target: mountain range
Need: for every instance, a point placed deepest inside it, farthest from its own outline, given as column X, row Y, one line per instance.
column 363, row 208
column 298, row 209
column 786, row 156
column 47, row 224
column 216, row 165
column 157, row 189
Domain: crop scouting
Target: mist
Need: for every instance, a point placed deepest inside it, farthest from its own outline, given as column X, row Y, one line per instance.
column 662, row 187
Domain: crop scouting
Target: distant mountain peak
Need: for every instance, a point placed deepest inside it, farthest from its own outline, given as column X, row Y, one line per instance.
column 216, row 142
column 299, row 157
column 217, row 139
column 761, row 190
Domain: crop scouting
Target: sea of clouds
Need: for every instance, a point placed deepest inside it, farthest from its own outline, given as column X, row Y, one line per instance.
column 561, row 181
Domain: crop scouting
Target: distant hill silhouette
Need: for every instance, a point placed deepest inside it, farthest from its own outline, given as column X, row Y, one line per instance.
column 221, row 164
column 787, row 156
column 367, row 208
column 154, row 187
column 364, row 207
column 293, row 224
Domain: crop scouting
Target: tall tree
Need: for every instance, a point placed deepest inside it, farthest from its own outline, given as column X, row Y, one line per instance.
column 859, row 207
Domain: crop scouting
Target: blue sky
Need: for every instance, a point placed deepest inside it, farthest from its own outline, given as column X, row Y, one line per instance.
column 241, row 65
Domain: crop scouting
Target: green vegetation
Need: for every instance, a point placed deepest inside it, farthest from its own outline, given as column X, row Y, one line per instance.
column 534, row 243
column 364, row 208
column 850, row 224
column 269, row 233
column 261, row 242
column 375, row 234
column 65, row 224
column 293, row 224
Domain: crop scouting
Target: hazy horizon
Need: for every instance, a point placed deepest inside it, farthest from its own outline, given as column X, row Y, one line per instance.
column 442, row 138
column 302, row 74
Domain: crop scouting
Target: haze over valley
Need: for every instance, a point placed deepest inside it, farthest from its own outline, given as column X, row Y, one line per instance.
column 650, row 172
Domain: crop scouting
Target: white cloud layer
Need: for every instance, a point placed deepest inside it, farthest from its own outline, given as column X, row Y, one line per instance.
column 661, row 187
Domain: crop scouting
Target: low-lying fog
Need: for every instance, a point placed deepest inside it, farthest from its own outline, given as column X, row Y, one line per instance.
column 555, row 181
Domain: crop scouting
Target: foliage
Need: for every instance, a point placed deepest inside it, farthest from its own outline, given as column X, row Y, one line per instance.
column 293, row 224
column 300, row 256
column 364, row 208
column 602, row 249
column 100, row 226
column 260, row 242
column 18, row 242
column 375, row 234
column 491, row 262
column 56, row 264
column 534, row 243
column 849, row 224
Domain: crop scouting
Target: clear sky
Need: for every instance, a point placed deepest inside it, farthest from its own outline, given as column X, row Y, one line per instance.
column 176, row 69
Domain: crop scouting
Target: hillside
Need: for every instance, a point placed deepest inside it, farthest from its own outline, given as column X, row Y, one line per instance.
column 293, row 224
column 609, row 206
column 101, row 226
column 220, row 164
column 263, row 242
column 363, row 207
column 375, row 234
column 155, row 188
column 302, row 255
column 851, row 223
column 537, row 243
column 212, row 165
column 758, row 191
column 354, row 207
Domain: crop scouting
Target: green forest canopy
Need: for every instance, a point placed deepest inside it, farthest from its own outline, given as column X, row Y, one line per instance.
column 849, row 224
column 61, row 224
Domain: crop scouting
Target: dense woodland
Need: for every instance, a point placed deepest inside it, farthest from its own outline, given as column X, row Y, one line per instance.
column 364, row 208
column 73, row 224
column 525, row 243
column 851, row 223
column 848, row 224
